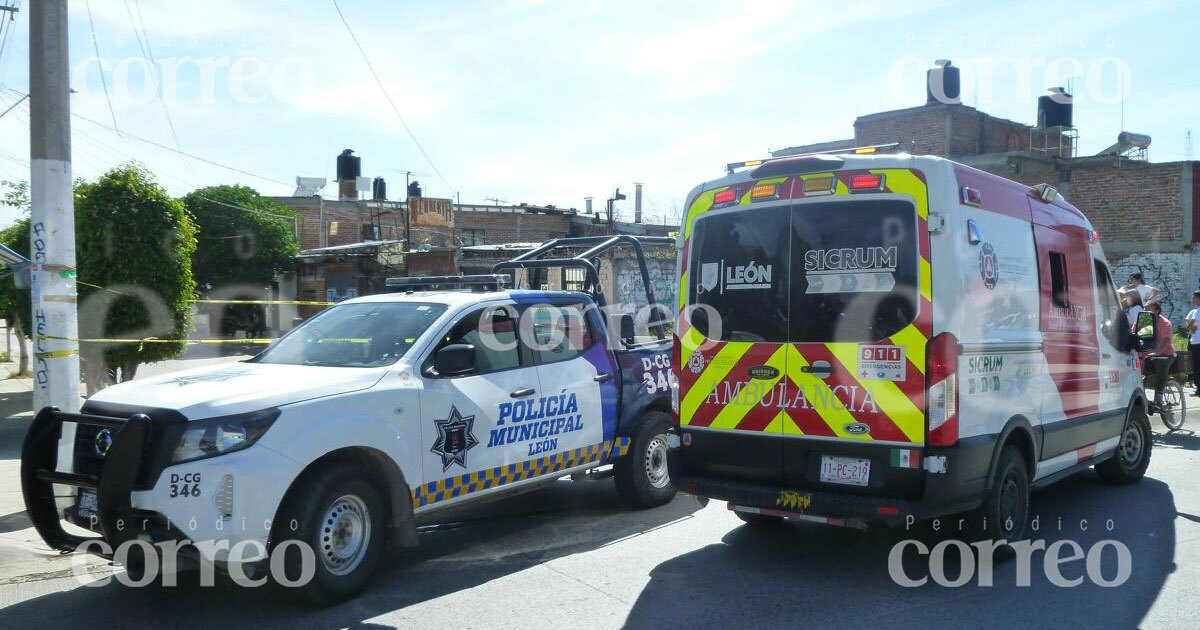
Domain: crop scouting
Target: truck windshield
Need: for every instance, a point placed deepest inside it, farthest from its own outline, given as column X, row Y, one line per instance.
column 812, row 272
column 355, row 335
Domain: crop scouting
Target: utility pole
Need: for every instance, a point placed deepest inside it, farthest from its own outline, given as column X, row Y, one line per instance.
column 52, row 224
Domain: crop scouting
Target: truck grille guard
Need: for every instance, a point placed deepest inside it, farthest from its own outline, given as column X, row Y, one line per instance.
column 117, row 477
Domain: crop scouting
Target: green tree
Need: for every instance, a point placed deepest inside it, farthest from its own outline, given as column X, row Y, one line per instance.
column 246, row 238
column 137, row 242
column 14, row 302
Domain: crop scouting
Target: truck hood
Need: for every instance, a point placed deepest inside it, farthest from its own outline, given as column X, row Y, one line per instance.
column 237, row 388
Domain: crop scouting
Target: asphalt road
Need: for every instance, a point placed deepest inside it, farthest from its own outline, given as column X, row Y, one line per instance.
column 571, row 556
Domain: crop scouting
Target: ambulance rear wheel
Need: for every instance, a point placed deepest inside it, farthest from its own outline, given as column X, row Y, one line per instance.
column 641, row 476
column 1004, row 514
column 333, row 525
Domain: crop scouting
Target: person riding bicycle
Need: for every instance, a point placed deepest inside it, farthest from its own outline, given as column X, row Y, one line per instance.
column 1160, row 359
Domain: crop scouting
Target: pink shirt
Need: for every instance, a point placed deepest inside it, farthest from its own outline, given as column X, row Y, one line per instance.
column 1163, row 332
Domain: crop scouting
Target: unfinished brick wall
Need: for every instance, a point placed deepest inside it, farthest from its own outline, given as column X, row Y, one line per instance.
column 513, row 227
column 919, row 130
column 1131, row 201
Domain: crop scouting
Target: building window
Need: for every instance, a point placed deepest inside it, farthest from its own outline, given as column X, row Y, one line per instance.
column 472, row 236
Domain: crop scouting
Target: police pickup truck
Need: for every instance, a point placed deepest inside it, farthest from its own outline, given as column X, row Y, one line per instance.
column 362, row 423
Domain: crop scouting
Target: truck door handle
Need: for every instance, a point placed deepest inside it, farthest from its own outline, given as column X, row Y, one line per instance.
column 1106, row 355
column 602, row 378
column 817, row 369
column 523, row 392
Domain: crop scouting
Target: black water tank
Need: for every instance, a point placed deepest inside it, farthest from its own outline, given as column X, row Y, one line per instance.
column 349, row 166
column 414, row 189
column 1055, row 109
column 378, row 189
column 947, row 77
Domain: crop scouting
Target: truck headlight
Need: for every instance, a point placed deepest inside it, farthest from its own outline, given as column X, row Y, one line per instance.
column 217, row 436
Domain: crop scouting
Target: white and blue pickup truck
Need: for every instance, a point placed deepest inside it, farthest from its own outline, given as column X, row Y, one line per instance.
column 362, row 423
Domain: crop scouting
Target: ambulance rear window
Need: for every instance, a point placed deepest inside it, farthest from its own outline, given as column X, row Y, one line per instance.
column 813, row 272
column 854, row 270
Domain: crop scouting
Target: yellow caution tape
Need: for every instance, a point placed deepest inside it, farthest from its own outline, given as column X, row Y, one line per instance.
column 56, row 354
column 294, row 302
column 145, row 340
column 299, row 302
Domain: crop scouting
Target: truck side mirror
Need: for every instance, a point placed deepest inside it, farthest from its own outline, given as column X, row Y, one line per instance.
column 625, row 326
column 1144, row 332
column 456, row 358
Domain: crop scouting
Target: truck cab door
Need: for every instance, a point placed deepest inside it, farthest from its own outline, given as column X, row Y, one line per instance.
column 577, row 408
column 471, row 425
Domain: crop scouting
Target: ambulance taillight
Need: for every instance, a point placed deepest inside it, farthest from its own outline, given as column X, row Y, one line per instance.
column 941, row 400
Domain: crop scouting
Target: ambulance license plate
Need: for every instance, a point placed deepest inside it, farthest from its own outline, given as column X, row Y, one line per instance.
column 86, row 507
column 845, row 470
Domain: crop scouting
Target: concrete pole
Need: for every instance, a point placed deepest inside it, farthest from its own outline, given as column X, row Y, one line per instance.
column 52, row 225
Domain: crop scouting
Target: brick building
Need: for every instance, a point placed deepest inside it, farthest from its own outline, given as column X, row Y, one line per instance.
column 1147, row 214
column 348, row 247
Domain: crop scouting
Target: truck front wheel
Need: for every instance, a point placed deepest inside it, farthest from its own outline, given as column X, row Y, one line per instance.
column 338, row 514
column 641, row 476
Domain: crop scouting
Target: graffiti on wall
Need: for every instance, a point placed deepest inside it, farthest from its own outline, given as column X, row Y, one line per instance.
column 1170, row 273
column 629, row 291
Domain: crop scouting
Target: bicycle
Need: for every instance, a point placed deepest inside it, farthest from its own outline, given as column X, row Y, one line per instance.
column 1173, row 408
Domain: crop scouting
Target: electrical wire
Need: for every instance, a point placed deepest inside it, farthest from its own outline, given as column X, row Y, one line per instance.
column 388, row 96
column 103, row 81
column 9, row 19
column 143, row 40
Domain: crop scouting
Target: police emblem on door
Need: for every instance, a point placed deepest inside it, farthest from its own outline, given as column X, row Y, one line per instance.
column 454, row 439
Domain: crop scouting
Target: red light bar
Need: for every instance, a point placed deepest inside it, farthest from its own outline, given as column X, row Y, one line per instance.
column 1094, row 236
column 887, row 509
column 871, row 181
column 725, row 196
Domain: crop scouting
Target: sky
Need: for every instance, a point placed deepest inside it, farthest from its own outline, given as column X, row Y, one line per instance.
column 550, row 102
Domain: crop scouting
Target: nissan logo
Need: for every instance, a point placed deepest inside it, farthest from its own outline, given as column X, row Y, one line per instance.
column 103, row 442
column 857, row 428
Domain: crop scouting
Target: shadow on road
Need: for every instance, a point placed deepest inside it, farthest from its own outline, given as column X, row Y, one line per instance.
column 471, row 547
column 15, row 416
column 787, row 576
column 1185, row 439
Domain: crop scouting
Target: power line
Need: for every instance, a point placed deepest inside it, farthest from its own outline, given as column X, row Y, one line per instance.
column 103, row 80
column 12, row 10
column 388, row 96
column 163, row 147
column 148, row 55
column 185, row 153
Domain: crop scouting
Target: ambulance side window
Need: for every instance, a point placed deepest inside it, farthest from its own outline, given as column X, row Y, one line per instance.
column 1114, row 325
column 1058, row 279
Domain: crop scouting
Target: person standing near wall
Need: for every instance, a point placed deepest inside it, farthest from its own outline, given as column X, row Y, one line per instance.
column 1137, row 283
column 1194, row 340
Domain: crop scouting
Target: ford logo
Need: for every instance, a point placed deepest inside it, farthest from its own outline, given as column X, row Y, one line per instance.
column 857, row 428
column 103, row 442
column 763, row 372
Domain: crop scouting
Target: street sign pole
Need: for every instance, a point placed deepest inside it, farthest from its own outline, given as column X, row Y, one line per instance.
column 54, row 325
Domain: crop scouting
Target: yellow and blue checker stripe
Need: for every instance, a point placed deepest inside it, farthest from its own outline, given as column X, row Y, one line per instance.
column 460, row 485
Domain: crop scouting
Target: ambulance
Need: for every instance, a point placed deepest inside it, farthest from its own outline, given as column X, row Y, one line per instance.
column 870, row 337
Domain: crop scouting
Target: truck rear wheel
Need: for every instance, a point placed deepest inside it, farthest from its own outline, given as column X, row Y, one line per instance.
column 1132, row 458
column 1004, row 514
column 338, row 514
column 641, row 476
